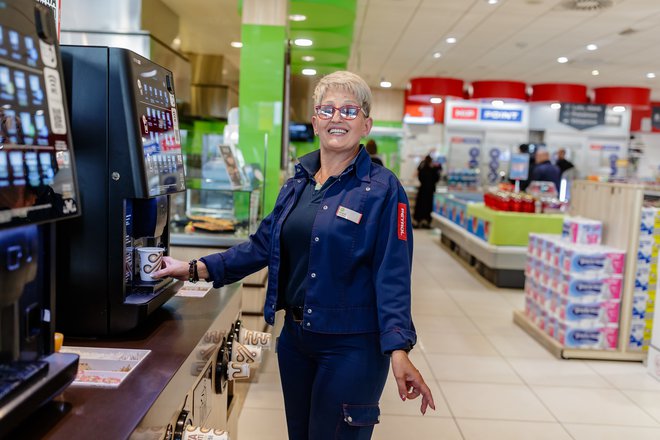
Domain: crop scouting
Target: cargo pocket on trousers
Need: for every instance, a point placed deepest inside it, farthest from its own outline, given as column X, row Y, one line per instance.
column 361, row 415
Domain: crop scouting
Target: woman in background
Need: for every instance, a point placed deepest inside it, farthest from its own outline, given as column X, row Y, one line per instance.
column 428, row 174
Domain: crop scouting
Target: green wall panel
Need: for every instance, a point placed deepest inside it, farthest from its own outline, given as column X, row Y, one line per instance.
column 261, row 90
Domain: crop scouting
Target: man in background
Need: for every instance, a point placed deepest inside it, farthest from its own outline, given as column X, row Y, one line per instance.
column 544, row 170
column 563, row 163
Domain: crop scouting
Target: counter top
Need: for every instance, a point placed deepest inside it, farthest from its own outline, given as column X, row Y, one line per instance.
column 171, row 333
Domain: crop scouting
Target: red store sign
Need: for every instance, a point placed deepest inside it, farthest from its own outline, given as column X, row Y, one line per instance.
column 464, row 113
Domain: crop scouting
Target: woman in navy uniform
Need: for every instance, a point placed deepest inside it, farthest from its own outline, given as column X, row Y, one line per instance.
column 338, row 246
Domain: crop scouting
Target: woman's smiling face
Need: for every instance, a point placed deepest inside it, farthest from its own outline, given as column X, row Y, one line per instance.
column 336, row 133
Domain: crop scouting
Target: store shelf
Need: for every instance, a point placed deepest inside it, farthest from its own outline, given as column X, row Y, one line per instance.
column 495, row 257
column 562, row 352
column 200, row 239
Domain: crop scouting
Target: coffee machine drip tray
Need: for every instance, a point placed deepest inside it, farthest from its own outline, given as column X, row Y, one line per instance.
column 141, row 292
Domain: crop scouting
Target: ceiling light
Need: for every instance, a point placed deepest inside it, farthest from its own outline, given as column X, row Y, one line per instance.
column 236, row 44
column 595, row 72
column 451, row 40
column 436, row 100
column 385, row 84
column 650, row 75
column 297, row 17
column 309, row 72
column 308, row 58
column 303, row 42
column 618, row 109
column 176, row 42
column 497, row 103
column 562, row 60
column 555, row 106
column 592, row 47
column 437, row 54
column 492, row 2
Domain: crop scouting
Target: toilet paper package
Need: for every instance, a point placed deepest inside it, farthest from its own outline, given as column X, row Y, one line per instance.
column 590, row 314
column 593, row 260
column 637, row 334
column 586, row 289
column 582, row 230
column 601, row 338
column 642, row 306
column 647, row 251
column 647, row 223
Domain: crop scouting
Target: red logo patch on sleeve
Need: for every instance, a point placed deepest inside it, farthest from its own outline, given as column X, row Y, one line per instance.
column 402, row 230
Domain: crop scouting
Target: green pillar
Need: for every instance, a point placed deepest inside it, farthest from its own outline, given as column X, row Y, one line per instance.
column 261, row 90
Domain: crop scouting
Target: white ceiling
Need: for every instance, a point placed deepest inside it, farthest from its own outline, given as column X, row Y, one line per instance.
column 511, row 40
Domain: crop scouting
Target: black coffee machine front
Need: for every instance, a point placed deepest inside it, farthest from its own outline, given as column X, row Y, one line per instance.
column 128, row 154
column 37, row 187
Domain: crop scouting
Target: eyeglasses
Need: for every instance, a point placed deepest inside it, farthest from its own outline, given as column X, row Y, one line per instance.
column 348, row 112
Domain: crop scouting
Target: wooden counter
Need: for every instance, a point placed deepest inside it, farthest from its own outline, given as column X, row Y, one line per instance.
column 171, row 334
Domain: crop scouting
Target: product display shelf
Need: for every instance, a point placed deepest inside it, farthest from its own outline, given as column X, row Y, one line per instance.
column 502, row 265
column 619, row 207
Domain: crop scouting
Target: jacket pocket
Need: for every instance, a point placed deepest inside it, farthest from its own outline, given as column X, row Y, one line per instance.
column 361, row 415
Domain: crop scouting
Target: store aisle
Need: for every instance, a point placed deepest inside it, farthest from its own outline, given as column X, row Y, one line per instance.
column 490, row 380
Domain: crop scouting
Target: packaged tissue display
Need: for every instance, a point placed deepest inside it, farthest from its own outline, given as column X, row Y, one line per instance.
column 581, row 230
column 573, row 291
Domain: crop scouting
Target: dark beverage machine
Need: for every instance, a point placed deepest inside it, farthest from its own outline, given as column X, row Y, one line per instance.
column 129, row 161
column 37, row 187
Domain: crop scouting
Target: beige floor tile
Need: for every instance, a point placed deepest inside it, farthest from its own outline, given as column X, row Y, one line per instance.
column 456, row 343
column 494, row 401
column 435, row 307
column 559, row 372
column 522, row 345
column 647, row 400
column 514, row 298
column 509, row 430
column 584, row 405
column 626, row 375
column 499, row 326
column 490, row 369
column 445, row 324
column 604, row 432
column 418, row 427
column 262, row 424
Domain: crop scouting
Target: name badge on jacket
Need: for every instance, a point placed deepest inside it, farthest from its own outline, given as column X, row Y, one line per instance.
column 349, row 214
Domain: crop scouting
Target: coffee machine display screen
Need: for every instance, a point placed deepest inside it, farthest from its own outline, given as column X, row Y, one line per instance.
column 37, row 179
column 159, row 127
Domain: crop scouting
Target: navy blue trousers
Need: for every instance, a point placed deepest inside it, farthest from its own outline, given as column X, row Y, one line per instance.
column 331, row 383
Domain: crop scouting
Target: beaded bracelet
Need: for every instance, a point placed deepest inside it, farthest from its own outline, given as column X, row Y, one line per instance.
column 193, row 277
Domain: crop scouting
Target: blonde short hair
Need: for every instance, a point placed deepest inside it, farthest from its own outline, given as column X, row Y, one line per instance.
column 346, row 81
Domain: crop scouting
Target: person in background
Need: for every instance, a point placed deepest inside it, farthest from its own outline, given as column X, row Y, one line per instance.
column 372, row 149
column 428, row 174
column 338, row 246
column 544, row 170
column 563, row 163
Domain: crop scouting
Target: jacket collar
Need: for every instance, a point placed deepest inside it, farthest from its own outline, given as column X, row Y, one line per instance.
column 310, row 163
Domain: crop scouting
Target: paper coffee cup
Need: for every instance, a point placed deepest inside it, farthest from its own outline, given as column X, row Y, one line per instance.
column 249, row 354
column 238, row 370
column 150, row 258
column 195, row 432
column 252, row 337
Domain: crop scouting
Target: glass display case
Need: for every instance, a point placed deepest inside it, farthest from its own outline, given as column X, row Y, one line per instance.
column 221, row 205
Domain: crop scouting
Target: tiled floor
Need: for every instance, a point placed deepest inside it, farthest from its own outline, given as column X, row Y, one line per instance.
column 490, row 380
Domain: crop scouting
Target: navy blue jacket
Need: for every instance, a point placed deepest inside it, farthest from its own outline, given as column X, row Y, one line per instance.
column 359, row 273
column 547, row 172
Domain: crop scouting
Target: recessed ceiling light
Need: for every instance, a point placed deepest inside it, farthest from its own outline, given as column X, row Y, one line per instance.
column 309, row 72
column 650, row 75
column 308, row 58
column 297, row 17
column 555, row 106
column 497, row 103
column 385, row 84
column 451, row 40
column 176, row 42
column 236, row 44
column 592, row 47
column 437, row 54
column 303, row 42
column 595, row 72
column 436, row 100
column 562, row 60
column 493, row 2
column 619, row 109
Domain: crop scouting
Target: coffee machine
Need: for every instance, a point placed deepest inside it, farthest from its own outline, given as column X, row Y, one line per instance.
column 37, row 187
column 128, row 154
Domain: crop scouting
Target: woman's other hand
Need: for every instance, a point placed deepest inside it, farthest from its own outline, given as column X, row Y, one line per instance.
column 173, row 268
column 410, row 381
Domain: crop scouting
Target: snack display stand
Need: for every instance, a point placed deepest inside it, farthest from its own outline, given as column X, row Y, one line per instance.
column 619, row 207
column 494, row 242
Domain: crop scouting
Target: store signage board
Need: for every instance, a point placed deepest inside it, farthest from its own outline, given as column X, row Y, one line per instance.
column 486, row 116
column 419, row 114
column 519, row 166
column 582, row 116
